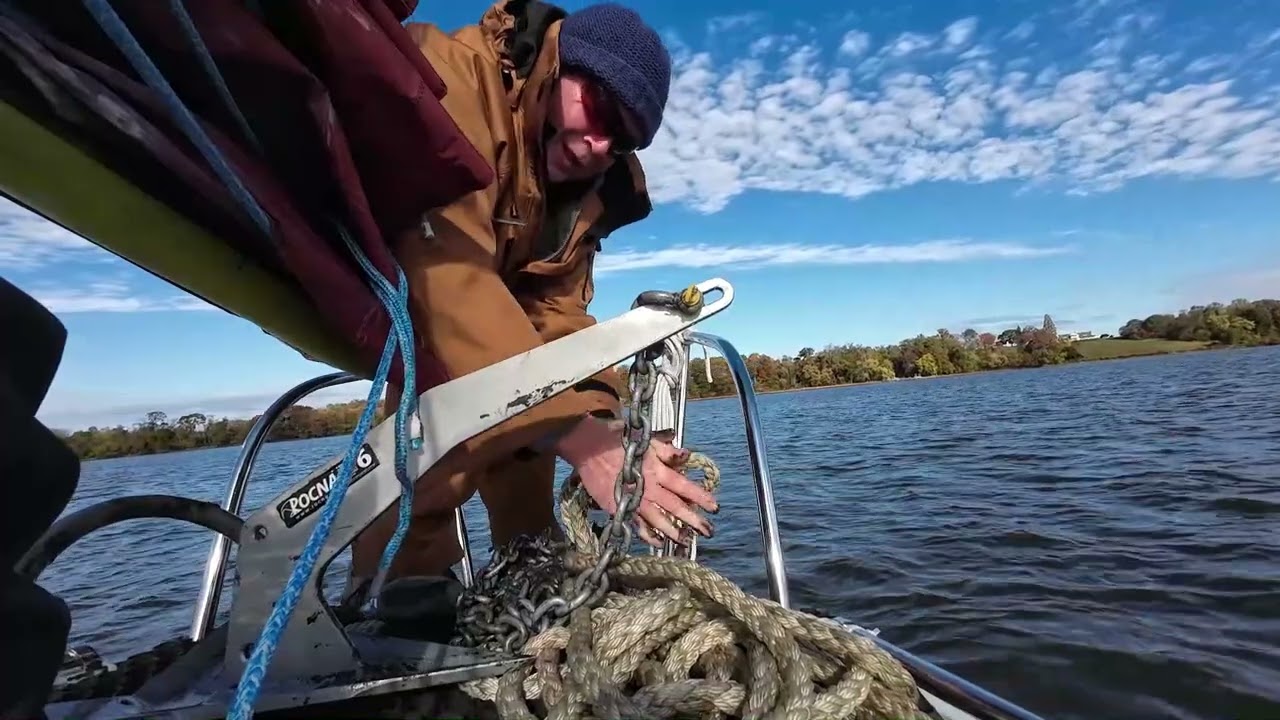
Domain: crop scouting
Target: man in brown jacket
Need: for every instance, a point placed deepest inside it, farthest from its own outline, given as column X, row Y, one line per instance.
column 558, row 104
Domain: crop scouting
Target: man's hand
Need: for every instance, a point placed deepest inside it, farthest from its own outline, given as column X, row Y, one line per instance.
column 594, row 449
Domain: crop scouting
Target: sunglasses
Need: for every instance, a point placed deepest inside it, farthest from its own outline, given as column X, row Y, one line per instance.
column 605, row 116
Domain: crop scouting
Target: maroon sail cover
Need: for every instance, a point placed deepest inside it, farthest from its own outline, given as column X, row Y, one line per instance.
column 346, row 131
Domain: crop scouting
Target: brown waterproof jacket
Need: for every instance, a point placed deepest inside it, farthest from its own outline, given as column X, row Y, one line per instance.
column 501, row 271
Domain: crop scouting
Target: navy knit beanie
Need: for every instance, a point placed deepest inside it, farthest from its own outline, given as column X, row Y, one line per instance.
column 612, row 45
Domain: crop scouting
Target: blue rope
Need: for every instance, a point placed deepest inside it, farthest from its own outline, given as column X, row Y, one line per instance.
column 395, row 299
column 255, row 669
column 408, row 422
column 211, row 69
column 124, row 40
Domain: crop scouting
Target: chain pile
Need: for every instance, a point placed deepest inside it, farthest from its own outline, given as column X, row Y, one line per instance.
column 501, row 613
column 659, row 637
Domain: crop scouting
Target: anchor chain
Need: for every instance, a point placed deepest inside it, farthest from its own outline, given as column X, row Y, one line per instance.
column 525, row 589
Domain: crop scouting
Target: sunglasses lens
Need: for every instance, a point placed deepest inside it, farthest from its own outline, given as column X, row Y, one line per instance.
column 603, row 113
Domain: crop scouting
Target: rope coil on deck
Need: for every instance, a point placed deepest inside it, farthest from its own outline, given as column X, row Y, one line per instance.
column 674, row 639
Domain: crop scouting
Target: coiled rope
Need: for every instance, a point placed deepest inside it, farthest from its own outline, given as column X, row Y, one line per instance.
column 408, row 424
column 675, row 639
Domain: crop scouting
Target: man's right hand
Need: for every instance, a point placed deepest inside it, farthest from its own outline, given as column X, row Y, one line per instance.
column 594, row 449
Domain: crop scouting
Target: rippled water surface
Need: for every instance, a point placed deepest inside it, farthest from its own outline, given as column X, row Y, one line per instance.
column 1093, row 541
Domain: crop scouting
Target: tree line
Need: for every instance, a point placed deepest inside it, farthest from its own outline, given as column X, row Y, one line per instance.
column 1240, row 323
column 157, row 433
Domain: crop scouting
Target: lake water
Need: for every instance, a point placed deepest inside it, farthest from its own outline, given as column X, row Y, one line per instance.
column 1093, row 541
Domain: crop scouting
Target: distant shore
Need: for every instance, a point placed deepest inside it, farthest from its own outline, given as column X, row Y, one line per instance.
column 1145, row 348
column 303, row 422
column 1242, row 323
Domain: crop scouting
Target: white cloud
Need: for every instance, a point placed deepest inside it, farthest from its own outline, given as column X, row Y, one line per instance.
column 1271, row 38
column 738, row 22
column 756, row 256
column 28, row 241
column 959, row 33
column 849, row 119
column 111, row 297
column 1022, row 31
column 1209, row 63
column 908, row 43
column 854, row 43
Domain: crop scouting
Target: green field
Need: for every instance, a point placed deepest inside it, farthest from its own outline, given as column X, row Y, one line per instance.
column 1108, row 348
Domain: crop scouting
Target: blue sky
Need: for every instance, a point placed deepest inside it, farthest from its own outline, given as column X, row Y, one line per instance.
column 859, row 176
